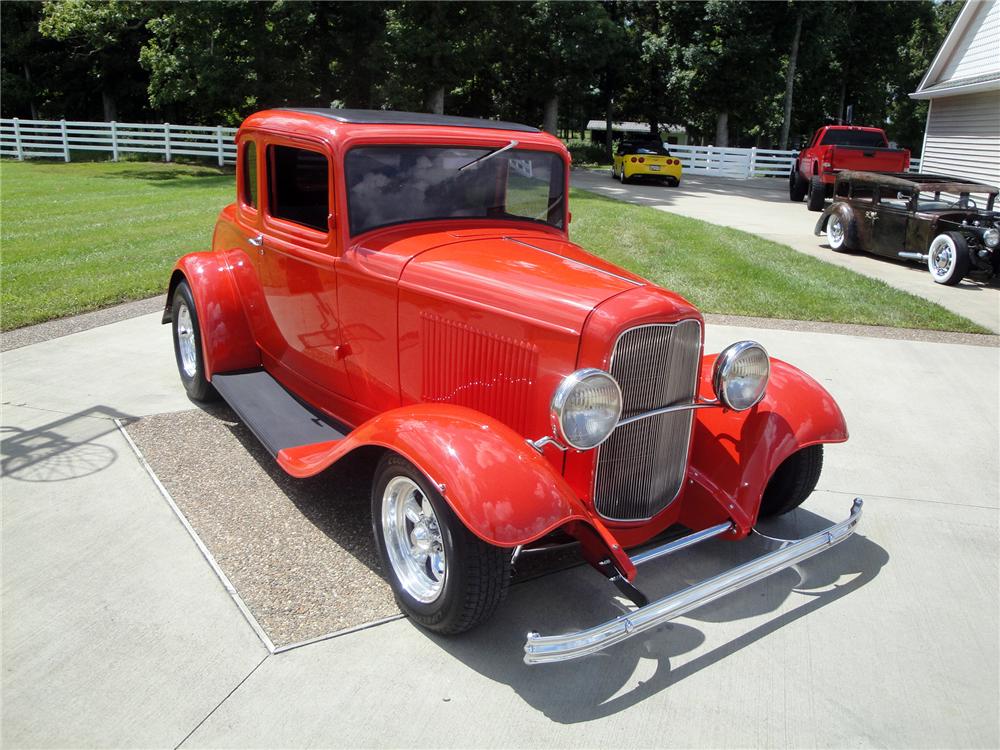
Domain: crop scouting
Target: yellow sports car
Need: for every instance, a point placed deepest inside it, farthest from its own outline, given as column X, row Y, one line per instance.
column 645, row 159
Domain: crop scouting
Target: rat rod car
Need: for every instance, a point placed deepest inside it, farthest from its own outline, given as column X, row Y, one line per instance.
column 946, row 222
column 401, row 288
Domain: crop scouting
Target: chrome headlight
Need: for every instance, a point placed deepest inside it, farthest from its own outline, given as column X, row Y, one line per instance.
column 586, row 408
column 991, row 237
column 740, row 375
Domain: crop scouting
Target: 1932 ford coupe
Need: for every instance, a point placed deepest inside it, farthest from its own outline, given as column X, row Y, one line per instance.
column 401, row 288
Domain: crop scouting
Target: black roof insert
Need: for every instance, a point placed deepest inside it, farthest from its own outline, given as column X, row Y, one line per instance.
column 392, row 117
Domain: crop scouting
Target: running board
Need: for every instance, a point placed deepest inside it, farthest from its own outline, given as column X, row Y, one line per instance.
column 539, row 649
column 275, row 417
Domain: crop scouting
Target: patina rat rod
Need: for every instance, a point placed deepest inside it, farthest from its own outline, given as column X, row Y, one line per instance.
column 401, row 288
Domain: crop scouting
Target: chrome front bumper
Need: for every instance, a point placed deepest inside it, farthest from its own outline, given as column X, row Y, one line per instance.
column 539, row 649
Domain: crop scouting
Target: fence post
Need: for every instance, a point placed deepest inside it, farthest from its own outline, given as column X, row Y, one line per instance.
column 166, row 135
column 65, row 139
column 17, row 140
column 708, row 159
column 218, row 141
column 752, row 165
column 114, row 141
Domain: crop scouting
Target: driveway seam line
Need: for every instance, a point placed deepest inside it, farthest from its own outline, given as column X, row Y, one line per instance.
column 219, row 704
column 911, row 499
column 205, row 553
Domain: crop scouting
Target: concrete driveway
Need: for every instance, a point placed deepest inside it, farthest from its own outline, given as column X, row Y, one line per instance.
column 761, row 206
column 117, row 633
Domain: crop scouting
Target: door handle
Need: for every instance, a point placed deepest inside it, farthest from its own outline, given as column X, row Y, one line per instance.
column 257, row 241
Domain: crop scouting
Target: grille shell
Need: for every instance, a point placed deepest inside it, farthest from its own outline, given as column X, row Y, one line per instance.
column 641, row 467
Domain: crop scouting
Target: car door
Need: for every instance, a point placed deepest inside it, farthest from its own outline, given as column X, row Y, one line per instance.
column 295, row 261
column 890, row 216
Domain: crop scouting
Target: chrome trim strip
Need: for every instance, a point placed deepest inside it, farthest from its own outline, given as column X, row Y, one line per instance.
column 669, row 409
column 683, row 543
column 544, row 649
column 573, row 260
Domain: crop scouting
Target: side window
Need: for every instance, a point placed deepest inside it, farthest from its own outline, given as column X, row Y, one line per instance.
column 298, row 186
column 842, row 189
column 862, row 193
column 249, row 175
column 888, row 196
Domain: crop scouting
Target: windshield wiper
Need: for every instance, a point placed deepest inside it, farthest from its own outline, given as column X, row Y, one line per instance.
column 490, row 155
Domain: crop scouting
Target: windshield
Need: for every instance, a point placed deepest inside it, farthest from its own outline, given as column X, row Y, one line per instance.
column 862, row 138
column 395, row 184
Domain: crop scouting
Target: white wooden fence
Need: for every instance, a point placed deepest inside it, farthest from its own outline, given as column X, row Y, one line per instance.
column 741, row 163
column 26, row 139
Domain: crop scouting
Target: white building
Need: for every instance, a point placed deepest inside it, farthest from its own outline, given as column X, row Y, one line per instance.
column 669, row 133
column 963, row 89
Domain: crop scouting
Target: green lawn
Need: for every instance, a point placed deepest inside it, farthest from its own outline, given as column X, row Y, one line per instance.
column 80, row 236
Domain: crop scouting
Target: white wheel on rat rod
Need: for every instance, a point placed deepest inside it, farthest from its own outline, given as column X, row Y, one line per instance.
column 443, row 576
column 948, row 258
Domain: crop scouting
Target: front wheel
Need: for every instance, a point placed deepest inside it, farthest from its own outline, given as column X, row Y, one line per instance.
column 948, row 258
column 187, row 345
column 837, row 230
column 796, row 187
column 442, row 575
column 793, row 482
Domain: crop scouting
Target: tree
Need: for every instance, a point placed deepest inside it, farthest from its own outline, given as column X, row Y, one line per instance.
column 108, row 36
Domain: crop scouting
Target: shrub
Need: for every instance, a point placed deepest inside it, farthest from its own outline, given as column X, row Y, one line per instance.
column 586, row 152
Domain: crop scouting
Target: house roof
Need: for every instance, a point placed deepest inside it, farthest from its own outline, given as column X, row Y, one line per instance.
column 631, row 127
column 967, row 61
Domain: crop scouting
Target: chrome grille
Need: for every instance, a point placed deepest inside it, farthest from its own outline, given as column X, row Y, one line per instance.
column 640, row 468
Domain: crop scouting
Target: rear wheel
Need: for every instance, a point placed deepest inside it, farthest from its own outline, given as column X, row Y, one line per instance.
column 948, row 258
column 442, row 575
column 621, row 175
column 187, row 345
column 793, row 482
column 817, row 193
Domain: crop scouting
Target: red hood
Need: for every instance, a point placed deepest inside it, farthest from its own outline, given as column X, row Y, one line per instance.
column 530, row 275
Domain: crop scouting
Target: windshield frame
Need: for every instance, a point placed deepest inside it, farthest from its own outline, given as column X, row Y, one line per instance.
column 486, row 146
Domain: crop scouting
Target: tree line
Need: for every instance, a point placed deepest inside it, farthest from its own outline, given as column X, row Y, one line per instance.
column 731, row 72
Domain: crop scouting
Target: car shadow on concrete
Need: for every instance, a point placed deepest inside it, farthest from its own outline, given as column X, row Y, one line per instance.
column 48, row 453
column 972, row 283
column 621, row 676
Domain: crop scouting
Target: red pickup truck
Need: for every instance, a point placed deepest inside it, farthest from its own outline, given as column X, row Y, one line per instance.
column 838, row 147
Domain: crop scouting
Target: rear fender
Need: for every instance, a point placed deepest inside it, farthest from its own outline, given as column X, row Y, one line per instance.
column 226, row 341
column 503, row 490
column 734, row 454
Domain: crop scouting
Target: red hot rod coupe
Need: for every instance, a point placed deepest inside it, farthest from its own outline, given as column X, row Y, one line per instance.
column 402, row 287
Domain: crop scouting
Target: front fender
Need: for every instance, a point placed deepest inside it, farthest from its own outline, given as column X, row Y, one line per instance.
column 734, row 454
column 503, row 490
column 226, row 341
column 823, row 219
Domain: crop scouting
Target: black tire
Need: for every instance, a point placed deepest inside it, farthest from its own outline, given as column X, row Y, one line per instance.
column 476, row 574
column 956, row 266
column 621, row 175
column 817, row 194
column 793, row 482
column 193, row 373
column 796, row 186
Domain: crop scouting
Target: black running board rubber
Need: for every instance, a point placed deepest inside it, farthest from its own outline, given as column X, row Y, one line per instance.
column 275, row 416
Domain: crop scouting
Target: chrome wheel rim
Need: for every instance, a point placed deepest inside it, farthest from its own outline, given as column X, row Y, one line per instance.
column 413, row 540
column 185, row 341
column 836, row 231
column 942, row 256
